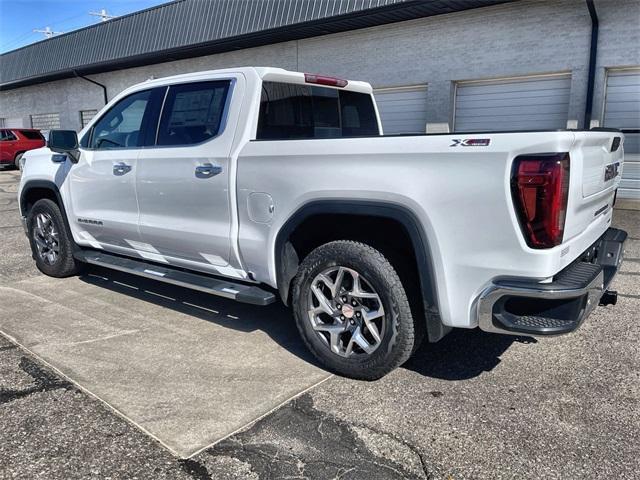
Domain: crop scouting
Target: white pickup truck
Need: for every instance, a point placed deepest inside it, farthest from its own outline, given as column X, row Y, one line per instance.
column 259, row 183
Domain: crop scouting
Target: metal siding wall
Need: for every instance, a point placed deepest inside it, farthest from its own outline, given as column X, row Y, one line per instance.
column 403, row 110
column 622, row 110
column 184, row 23
column 527, row 103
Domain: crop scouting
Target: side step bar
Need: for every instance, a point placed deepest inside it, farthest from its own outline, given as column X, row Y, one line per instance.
column 196, row 281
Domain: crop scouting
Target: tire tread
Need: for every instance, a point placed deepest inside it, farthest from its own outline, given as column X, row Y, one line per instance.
column 68, row 265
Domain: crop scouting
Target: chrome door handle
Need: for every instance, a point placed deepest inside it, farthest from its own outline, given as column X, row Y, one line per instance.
column 121, row 168
column 208, row 170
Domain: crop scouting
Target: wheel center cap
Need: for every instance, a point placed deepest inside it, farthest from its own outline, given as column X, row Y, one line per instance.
column 348, row 311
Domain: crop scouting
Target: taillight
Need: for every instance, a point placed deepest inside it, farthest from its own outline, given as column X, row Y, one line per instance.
column 323, row 80
column 540, row 189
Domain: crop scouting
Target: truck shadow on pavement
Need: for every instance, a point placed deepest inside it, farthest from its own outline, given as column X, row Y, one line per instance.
column 461, row 355
column 274, row 320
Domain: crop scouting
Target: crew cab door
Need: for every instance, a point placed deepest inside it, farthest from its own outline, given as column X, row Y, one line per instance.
column 102, row 186
column 183, row 181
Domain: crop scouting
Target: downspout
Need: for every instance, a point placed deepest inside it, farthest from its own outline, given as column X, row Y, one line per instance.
column 104, row 88
column 593, row 52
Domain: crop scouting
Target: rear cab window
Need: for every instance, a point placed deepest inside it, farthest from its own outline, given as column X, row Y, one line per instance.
column 292, row 111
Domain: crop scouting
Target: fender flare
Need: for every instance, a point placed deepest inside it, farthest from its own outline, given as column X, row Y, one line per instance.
column 286, row 259
column 47, row 185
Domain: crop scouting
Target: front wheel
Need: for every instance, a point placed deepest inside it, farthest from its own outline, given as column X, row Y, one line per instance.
column 51, row 242
column 352, row 310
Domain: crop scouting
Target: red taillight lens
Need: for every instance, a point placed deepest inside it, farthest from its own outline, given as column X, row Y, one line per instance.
column 540, row 189
column 323, row 80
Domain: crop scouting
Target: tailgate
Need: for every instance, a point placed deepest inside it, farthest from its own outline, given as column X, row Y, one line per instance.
column 596, row 166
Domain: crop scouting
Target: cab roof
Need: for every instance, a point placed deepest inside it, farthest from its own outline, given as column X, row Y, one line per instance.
column 273, row 74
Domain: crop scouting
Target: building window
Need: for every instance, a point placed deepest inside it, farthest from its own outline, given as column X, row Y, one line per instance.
column 45, row 121
column 86, row 116
column 1, row 122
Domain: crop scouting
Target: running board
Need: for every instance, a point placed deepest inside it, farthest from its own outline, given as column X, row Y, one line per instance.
column 196, row 281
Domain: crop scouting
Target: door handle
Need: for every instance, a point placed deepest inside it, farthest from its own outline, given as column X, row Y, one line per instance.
column 121, row 168
column 208, row 170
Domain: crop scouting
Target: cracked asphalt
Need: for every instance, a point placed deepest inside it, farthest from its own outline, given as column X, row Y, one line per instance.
column 474, row 405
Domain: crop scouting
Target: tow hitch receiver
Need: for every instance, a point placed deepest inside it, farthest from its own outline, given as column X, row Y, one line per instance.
column 610, row 297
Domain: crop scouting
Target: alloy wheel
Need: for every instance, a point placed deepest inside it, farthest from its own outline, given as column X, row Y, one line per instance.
column 46, row 238
column 346, row 312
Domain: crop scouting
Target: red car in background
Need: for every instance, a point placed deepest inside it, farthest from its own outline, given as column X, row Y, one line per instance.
column 15, row 141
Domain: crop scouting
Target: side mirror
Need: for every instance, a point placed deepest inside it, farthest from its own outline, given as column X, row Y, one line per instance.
column 64, row 141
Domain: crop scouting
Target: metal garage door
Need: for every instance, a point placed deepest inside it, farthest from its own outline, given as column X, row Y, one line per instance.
column 622, row 110
column 403, row 109
column 524, row 103
column 14, row 122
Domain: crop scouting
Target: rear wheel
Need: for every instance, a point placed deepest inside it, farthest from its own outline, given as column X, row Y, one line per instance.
column 352, row 310
column 51, row 243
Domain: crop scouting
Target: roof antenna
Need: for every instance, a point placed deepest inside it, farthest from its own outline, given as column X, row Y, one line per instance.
column 48, row 33
column 104, row 16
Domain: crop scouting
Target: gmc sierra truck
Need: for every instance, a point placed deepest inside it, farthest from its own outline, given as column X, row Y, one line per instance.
column 259, row 183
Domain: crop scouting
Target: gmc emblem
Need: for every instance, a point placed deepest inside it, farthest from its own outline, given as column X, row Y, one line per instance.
column 611, row 171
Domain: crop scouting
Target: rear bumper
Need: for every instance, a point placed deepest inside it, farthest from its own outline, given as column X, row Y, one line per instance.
column 527, row 307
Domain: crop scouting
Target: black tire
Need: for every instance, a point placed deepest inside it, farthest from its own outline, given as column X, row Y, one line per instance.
column 64, row 265
column 17, row 160
column 398, row 337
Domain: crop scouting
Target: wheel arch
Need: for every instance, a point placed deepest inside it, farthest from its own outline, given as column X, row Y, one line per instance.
column 287, row 259
column 34, row 190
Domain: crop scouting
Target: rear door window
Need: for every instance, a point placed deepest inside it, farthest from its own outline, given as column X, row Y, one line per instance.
column 292, row 111
column 32, row 134
column 193, row 113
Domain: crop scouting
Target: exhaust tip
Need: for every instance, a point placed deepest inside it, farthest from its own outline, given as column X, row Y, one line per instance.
column 609, row 297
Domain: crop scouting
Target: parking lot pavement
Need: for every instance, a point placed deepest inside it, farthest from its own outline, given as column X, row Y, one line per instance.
column 472, row 406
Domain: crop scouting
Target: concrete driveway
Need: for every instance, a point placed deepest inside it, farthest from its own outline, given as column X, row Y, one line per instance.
column 111, row 376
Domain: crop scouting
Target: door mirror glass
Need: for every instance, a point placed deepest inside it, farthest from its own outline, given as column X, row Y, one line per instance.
column 64, row 141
